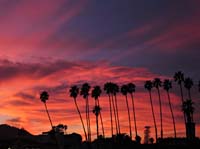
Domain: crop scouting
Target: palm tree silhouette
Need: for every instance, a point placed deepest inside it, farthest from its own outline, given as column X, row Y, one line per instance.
column 131, row 90
column 107, row 88
column 157, row 83
column 96, row 92
column 188, row 109
column 96, row 110
column 44, row 96
column 167, row 85
column 85, row 93
column 124, row 91
column 199, row 86
column 115, row 91
column 188, row 83
column 74, row 91
column 148, row 86
column 179, row 78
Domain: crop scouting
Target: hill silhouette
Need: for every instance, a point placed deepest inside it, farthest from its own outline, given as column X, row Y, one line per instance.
column 9, row 132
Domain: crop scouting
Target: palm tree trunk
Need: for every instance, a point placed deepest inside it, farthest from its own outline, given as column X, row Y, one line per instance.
column 97, row 126
column 80, row 118
column 113, row 104
column 154, row 120
column 89, row 129
column 56, row 139
column 101, row 119
column 129, row 118
column 133, row 105
column 48, row 115
column 86, row 112
column 111, row 121
column 119, row 131
column 170, row 105
column 181, row 89
column 161, row 124
column 189, row 94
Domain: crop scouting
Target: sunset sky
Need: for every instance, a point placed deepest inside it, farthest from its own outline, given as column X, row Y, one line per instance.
column 54, row 44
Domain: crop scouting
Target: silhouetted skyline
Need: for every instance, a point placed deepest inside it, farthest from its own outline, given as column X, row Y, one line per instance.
column 51, row 45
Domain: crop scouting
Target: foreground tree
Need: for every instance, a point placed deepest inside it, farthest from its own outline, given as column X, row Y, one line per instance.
column 107, row 89
column 188, row 83
column 148, row 86
column 179, row 78
column 167, row 85
column 74, row 91
column 157, row 84
column 115, row 90
column 85, row 93
column 199, row 86
column 44, row 96
column 124, row 91
column 96, row 92
column 96, row 111
column 131, row 90
column 188, row 109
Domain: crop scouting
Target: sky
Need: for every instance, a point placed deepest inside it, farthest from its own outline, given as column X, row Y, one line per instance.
column 51, row 45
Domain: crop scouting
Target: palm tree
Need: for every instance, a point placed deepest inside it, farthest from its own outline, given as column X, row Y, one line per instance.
column 157, row 83
column 188, row 109
column 167, row 85
column 115, row 91
column 107, row 88
column 179, row 78
column 85, row 93
column 74, row 91
column 96, row 111
column 188, row 83
column 124, row 91
column 148, row 86
column 199, row 86
column 131, row 90
column 96, row 92
column 44, row 96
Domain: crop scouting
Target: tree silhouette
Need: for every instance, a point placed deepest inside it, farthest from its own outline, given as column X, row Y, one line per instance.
column 188, row 109
column 107, row 88
column 179, row 78
column 124, row 91
column 96, row 92
column 167, row 85
column 44, row 96
column 148, row 86
column 131, row 90
column 188, row 83
column 85, row 93
column 157, row 83
column 199, row 86
column 96, row 110
column 115, row 90
column 74, row 91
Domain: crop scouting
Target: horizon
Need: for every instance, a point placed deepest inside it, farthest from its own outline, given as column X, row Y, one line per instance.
column 50, row 45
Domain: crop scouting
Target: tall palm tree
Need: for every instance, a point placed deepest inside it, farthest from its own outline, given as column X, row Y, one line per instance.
column 96, row 92
column 179, row 78
column 188, row 83
column 167, row 85
column 44, row 96
column 115, row 91
column 188, row 109
column 74, row 91
column 148, row 86
column 85, row 93
column 157, row 83
column 199, row 86
column 107, row 88
column 124, row 91
column 96, row 110
column 131, row 90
